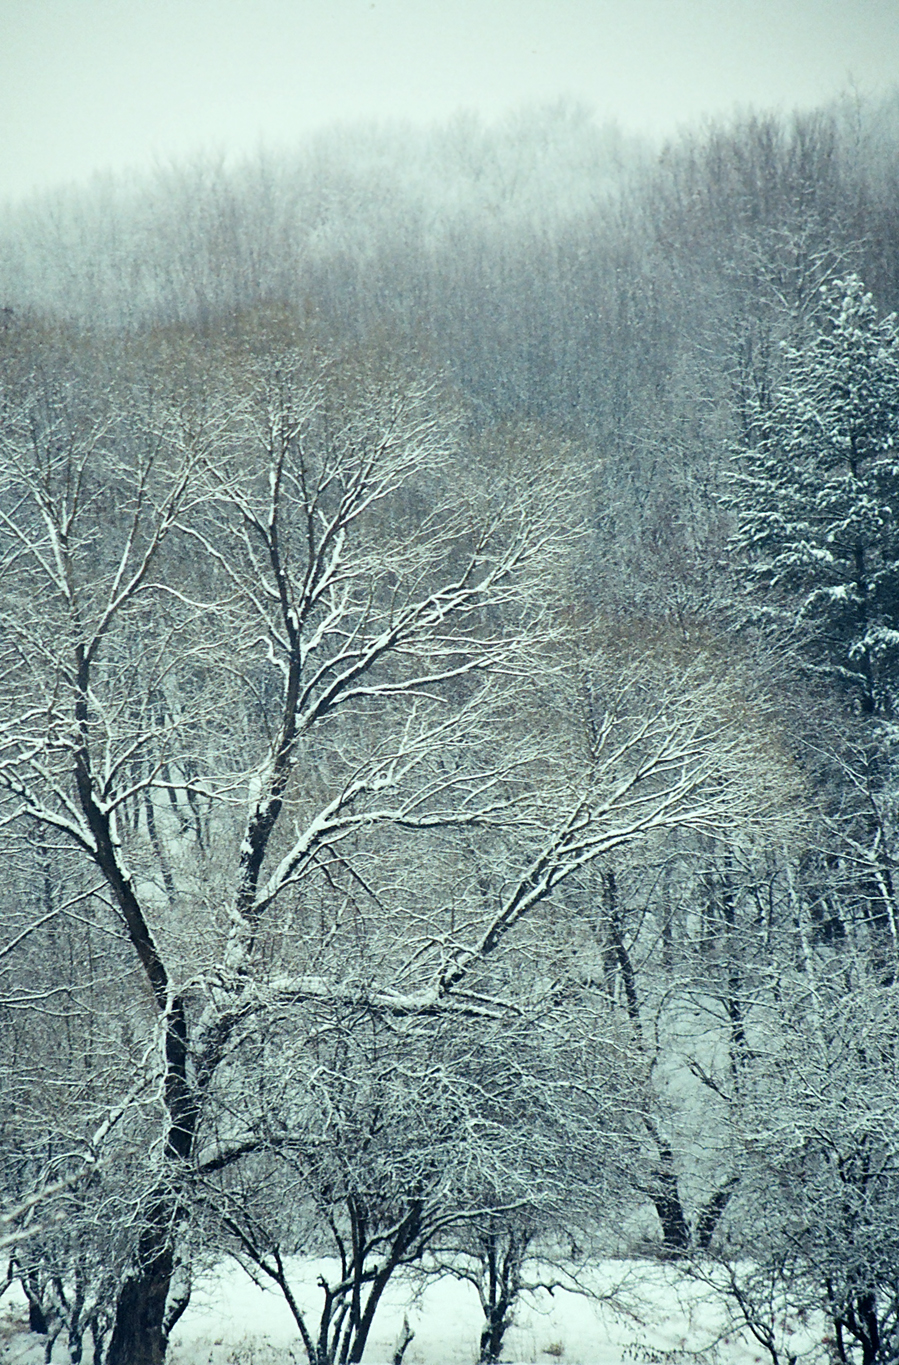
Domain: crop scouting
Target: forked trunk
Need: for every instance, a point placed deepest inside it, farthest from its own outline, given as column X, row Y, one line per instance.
column 666, row 1197
column 492, row 1334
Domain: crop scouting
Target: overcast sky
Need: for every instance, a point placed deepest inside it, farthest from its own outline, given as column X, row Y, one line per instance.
column 95, row 85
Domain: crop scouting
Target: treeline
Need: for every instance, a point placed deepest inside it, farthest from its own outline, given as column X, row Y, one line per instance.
column 558, row 273
column 450, row 630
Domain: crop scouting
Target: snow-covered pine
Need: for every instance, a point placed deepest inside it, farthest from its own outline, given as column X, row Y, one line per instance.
column 817, row 499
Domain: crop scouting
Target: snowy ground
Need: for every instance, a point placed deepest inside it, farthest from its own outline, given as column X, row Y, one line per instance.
column 232, row 1322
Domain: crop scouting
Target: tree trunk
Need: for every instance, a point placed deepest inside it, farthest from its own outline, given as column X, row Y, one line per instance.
column 492, row 1335
column 710, row 1215
column 138, row 1336
column 37, row 1318
column 140, row 1333
column 666, row 1197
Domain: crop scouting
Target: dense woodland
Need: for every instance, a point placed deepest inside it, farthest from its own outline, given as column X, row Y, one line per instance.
column 448, row 752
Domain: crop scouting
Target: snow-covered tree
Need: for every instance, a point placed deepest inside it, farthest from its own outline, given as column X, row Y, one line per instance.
column 812, row 1230
column 817, row 498
column 375, row 1139
column 282, row 677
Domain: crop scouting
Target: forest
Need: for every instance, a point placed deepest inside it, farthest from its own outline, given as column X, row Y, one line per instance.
column 449, row 770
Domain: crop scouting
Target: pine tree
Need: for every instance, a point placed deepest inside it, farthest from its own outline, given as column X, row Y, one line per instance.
column 817, row 499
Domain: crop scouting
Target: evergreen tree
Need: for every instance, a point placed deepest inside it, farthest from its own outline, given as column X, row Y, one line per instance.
column 817, row 499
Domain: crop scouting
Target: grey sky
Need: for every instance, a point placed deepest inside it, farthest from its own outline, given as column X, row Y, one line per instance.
column 88, row 85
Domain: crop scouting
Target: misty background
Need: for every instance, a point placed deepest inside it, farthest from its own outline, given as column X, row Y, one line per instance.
column 93, row 86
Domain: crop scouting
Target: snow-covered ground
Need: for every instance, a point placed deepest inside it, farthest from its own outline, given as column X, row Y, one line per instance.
column 233, row 1322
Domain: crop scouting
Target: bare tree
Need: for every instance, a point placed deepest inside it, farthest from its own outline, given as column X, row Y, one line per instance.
column 275, row 654
column 377, row 1137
